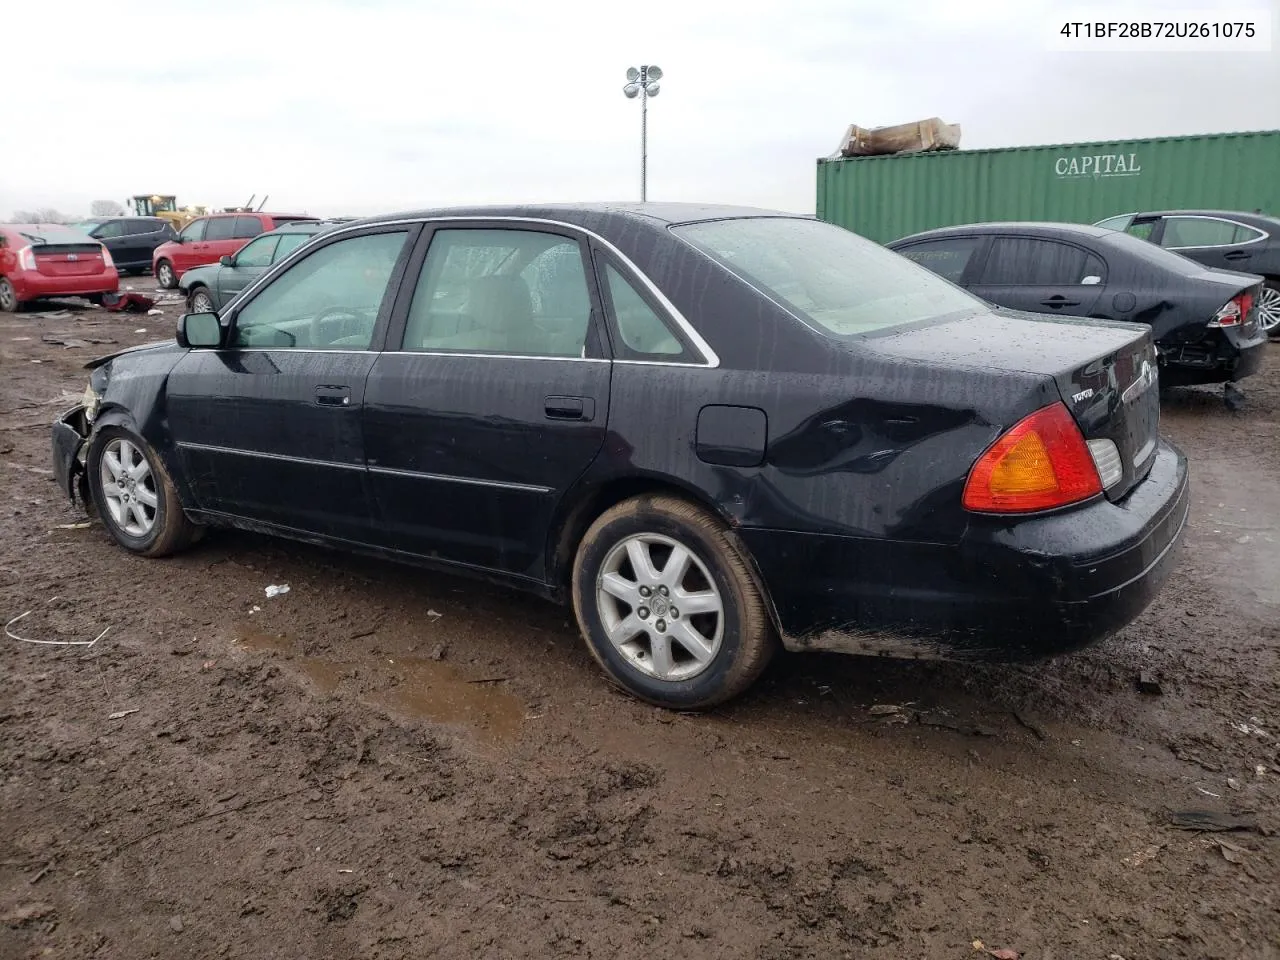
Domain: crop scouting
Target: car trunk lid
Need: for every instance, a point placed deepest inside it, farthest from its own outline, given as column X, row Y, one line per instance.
column 68, row 259
column 1105, row 373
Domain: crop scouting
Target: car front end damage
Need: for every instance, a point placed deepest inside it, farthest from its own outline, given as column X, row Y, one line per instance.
column 70, row 440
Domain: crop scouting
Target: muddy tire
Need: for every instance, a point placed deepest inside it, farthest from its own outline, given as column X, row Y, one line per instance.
column 668, row 605
column 8, row 297
column 199, row 301
column 1269, row 308
column 166, row 278
column 134, row 496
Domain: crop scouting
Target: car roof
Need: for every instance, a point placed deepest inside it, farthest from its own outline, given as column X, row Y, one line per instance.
column 595, row 215
column 255, row 213
column 1029, row 227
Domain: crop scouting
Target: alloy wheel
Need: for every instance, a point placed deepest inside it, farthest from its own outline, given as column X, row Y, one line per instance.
column 660, row 607
column 129, row 488
column 8, row 296
column 165, row 276
column 1269, row 309
column 201, row 302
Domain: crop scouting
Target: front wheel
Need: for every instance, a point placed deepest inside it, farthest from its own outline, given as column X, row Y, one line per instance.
column 165, row 277
column 668, row 606
column 1269, row 309
column 134, row 495
column 200, row 301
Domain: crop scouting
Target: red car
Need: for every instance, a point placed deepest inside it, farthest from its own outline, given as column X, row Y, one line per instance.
column 210, row 238
column 47, row 260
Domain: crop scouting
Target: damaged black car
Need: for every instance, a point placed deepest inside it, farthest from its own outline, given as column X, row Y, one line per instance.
column 713, row 431
column 1205, row 321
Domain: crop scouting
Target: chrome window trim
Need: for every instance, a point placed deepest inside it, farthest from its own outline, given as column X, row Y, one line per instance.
column 490, row 356
column 711, row 357
column 1262, row 234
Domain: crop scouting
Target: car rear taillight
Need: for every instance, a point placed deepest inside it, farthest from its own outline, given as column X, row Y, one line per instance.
column 27, row 258
column 1042, row 462
column 1234, row 313
column 106, row 258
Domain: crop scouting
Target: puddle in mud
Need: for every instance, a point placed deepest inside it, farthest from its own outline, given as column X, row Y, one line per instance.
column 435, row 691
column 427, row 688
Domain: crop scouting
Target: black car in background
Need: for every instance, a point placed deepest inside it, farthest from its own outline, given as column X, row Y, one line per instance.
column 131, row 240
column 708, row 428
column 209, row 287
column 1217, row 238
column 1204, row 321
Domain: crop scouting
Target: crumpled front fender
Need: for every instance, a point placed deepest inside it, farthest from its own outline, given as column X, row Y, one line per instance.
column 70, row 435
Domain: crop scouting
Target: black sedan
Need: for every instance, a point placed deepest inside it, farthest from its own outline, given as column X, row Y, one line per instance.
column 1205, row 321
column 131, row 240
column 710, row 429
column 1217, row 238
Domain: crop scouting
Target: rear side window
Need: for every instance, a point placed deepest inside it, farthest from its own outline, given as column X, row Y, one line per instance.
column 1142, row 229
column 247, row 227
column 290, row 242
column 1030, row 262
column 517, row 292
column 839, row 283
column 1115, row 223
column 136, row 227
column 639, row 326
column 194, row 230
column 947, row 257
column 220, row 228
column 1205, row 232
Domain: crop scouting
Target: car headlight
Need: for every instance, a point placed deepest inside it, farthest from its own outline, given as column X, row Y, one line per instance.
column 90, row 400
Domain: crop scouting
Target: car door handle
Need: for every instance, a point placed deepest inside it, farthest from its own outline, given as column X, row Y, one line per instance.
column 570, row 408
column 1060, row 301
column 333, row 396
column 1238, row 255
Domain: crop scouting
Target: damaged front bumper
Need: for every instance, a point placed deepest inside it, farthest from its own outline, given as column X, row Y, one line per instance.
column 70, row 436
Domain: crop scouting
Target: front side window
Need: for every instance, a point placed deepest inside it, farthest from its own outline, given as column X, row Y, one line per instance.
column 947, row 257
column 220, row 228
column 247, row 227
column 327, row 301
column 641, row 329
column 516, row 292
column 194, row 230
column 1029, row 262
column 257, row 253
column 109, row 230
column 834, row 280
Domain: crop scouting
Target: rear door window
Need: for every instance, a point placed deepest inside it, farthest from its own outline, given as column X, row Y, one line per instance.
column 947, row 257
column 1032, row 262
column 220, row 228
column 139, row 227
column 257, row 253
column 1198, row 232
column 247, row 227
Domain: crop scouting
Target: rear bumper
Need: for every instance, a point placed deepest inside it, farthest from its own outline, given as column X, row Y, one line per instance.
column 69, row 434
column 1215, row 359
column 30, row 285
column 1009, row 590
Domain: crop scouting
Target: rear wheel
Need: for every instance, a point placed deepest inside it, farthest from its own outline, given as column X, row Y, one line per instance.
column 1269, row 308
column 8, row 297
column 165, row 276
column 200, row 301
column 134, row 495
column 668, row 606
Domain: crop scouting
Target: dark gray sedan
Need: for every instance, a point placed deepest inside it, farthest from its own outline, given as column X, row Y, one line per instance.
column 207, row 288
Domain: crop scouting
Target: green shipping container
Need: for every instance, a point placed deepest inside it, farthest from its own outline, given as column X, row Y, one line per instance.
column 884, row 198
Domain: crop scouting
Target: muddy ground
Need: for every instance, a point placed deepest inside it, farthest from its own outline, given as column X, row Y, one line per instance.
column 388, row 763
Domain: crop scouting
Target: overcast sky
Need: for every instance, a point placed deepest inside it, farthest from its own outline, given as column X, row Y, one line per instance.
column 364, row 106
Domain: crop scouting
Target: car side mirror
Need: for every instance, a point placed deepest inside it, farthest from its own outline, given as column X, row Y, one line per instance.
column 199, row 330
column 226, row 261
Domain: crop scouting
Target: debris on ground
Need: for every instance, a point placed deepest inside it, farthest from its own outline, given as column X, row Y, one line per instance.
column 1231, row 852
column 80, row 525
column 155, row 313
column 1143, row 856
column 127, row 302
column 141, row 330
column 276, row 590
column 884, row 709
column 439, row 651
column 433, row 615
column 50, row 643
column 1147, row 683
column 1003, row 954
column 1210, row 821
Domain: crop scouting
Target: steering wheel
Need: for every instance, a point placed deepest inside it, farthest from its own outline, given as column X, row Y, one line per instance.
column 325, row 317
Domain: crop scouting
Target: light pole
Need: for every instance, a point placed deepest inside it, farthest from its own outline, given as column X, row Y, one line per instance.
column 643, row 82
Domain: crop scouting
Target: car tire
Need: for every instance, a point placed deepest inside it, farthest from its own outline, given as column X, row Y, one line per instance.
column 95, row 299
column 8, row 297
column 685, row 660
column 1269, row 302
column 157, row 527
column 199, row 301
column 166, row 278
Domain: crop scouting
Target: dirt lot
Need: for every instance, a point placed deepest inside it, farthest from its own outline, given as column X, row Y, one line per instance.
column 387, row 763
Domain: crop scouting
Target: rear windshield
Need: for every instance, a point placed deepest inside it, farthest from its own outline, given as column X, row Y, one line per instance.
column 834, row 280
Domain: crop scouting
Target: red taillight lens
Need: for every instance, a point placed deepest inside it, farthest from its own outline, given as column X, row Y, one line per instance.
column 27, row 258
column 1041, row 463
column 1234, row 313
column 106, row 258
